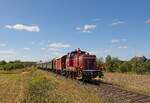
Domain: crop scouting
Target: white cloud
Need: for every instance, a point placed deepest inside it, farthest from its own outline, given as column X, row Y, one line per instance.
column 118, row 40
column 7, row 52
column 115, row 41
column 43, row 48
column 122, row 47
column 22, row 27
column 58, row 45
column 3, row 45
column 106, row 50
column 26, row 48
column 57, row 54
column 78, row 28
column 115, row 23
column 93, row 52
column 54, row 49
column 147, row 21
column 86, row 28
column 99, row 52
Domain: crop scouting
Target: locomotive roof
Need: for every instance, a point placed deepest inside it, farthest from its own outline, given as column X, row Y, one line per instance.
column 74, row 52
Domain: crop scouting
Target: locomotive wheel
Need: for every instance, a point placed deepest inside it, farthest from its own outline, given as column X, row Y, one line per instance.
column 71, row 74
column 67, row 74
column 85, row 78
column 74, row 75
column 63, row 72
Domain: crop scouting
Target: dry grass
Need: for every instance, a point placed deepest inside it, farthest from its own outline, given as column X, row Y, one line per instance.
column 36, row 86
column 138, row 83
column 74, row 92
column 9, row 87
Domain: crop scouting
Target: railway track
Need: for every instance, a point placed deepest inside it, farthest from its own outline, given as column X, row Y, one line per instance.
column 115, row 94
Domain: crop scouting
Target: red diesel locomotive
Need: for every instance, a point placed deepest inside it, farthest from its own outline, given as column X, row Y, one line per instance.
column 77, row 64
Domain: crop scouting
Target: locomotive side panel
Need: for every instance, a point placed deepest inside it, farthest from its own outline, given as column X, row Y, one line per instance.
column 70, row 63
column 63, row 62
column 81, row 63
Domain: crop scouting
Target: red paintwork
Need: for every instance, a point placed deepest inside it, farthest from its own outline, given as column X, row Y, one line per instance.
column 75, row 60
column 87, row 61
column 59, row 63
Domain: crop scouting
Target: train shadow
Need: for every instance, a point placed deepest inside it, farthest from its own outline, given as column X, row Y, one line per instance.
column 95, row 82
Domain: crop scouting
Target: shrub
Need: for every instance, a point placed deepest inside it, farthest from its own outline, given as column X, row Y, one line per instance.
column 38, row 88
column 138, row 65
column 14, row 65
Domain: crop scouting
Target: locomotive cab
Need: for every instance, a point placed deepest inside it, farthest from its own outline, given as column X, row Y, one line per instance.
column 88, row 63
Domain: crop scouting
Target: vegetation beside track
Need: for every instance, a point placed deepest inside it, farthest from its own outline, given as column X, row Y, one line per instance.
column 133, row 74
column 17, row 64
column 136, row 65
column 31, row 85
column 129, row 81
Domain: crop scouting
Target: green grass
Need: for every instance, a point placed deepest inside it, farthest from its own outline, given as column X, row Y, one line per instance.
column 37, row 86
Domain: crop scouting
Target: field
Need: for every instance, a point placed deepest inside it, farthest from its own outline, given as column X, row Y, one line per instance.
column 31, row 85
column 133, row 82
column 37, row 86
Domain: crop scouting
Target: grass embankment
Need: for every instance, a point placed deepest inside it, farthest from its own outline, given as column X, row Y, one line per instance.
column 133, row 82
column 9, row 87
column 36, row 86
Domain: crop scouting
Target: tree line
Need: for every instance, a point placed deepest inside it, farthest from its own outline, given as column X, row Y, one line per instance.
column 138, row 65
column 17, row 64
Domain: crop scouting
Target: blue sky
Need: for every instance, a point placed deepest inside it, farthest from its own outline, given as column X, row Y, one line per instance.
column 36, row 29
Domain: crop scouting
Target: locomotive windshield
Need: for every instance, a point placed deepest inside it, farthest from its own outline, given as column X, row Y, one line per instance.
column 90, row 64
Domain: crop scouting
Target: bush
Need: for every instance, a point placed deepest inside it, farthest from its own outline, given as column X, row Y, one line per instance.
column 147, row 66
column 14, row 65
column 125, row 67
column 138, row 65
column 38, row 88
column 8, row 66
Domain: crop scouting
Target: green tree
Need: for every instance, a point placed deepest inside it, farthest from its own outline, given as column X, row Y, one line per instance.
column 3, row 62
column 115, row 64
column 109, row 64
column 147, row 66
column 138, row 65
column 100, row 62
column 125, row 67
column 8, row 66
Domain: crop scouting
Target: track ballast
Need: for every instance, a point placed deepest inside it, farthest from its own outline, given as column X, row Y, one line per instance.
column 111, row 93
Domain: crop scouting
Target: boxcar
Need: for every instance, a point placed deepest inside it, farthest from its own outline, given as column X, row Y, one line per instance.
column 59, row 64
